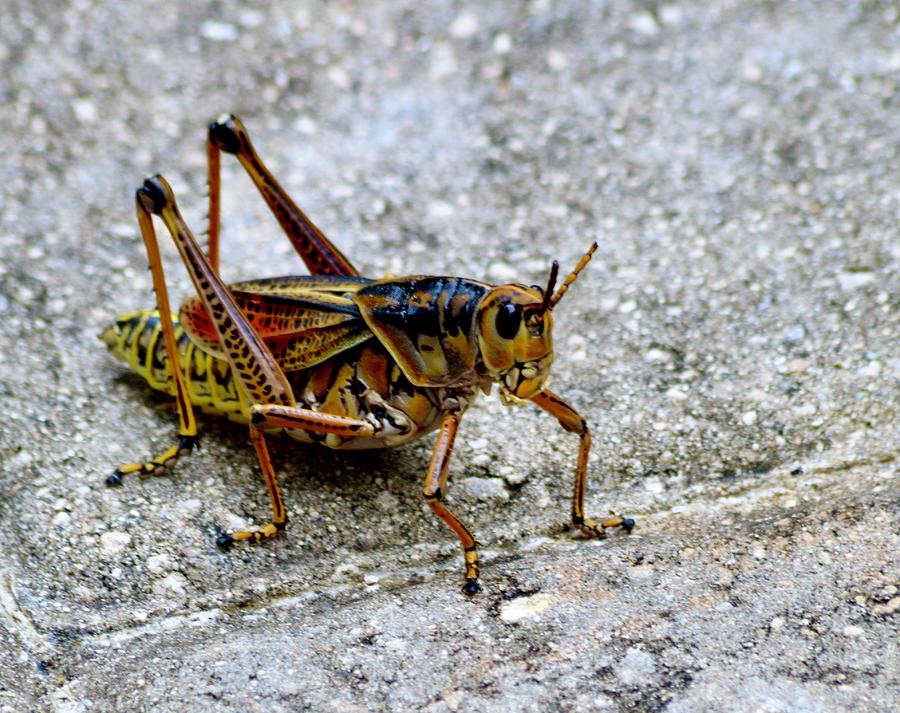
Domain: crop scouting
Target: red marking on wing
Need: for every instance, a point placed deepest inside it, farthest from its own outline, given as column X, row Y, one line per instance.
column 329, row 323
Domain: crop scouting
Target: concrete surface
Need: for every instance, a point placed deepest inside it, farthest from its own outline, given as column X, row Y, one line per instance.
column 733, row 345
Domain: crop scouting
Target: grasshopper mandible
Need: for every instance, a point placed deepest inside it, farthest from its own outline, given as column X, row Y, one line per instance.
column 333, row 357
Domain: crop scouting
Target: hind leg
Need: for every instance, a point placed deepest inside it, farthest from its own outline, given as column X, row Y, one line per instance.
column 187, row 424
column 229, row 134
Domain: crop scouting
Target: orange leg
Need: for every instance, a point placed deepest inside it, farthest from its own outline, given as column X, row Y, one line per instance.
column 250, row 360
column 187, row 424
column 572, row 421
column 434, row 489
column 228, row 134
column 273, row 416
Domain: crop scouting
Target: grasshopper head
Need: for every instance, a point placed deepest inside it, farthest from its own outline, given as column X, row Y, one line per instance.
column 515, row 333
column 515, row 339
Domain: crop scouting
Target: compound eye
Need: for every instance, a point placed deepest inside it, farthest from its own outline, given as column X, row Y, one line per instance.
column 509, row 317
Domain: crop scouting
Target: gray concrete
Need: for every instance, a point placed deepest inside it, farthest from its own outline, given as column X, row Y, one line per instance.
column 733, row 345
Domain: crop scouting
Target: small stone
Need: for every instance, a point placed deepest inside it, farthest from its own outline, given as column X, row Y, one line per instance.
column 157, row 564
column 675, row 394
column 440, row 210
column 557, row 60
column 777, row 624
column 636, row 668
column 501, row 272
column 465, row 25
column 174, row 585
column 854, row 280
column 386, row 502
column 804, row 410
column 794, row 334
column 871, row 370
column 670, row 14
column 502, row 43
column 796, row 366
column 339, row 77
column 513, row 477
column 492, row 489
column 249, row 17
column 114, row 541
column 218, row 31
column 524, row 607
column 748, row 418
column 61, row 519
column 891, row 607
column 853, row 631
column 85, row 111
column 655, row 356
column 346, row 572
column 189, row 507
column 643, row 23
column 751, row 72
column 306, row 126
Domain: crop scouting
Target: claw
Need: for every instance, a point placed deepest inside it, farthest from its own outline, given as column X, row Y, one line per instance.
column 471, row 586
column 224, row 540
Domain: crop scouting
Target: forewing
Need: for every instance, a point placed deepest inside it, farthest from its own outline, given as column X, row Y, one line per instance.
column 303, row 320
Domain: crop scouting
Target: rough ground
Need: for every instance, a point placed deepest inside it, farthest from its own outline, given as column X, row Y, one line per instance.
column 733, row 345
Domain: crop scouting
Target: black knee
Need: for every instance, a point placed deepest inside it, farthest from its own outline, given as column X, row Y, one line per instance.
column 187, row 443
column 155, row 195
column 228, row 134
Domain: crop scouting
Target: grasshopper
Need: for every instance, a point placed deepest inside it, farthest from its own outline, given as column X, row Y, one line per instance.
column 333, row 357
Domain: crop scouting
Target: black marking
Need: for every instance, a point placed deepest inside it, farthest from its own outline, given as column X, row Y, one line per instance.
column 398, row 309
column 115, row 478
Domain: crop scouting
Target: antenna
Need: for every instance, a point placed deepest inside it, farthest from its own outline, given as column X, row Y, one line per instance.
column 551, row 283
column 586, row 258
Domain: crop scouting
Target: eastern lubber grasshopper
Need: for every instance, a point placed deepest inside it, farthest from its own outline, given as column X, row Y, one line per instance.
column 333, row 357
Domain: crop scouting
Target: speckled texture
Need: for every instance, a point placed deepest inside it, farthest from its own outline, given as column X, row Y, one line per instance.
column 733, row 346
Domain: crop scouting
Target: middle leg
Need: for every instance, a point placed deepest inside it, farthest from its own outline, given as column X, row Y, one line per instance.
column 434, row 489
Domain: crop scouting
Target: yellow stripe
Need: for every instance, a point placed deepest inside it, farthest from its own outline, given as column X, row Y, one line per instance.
column 135, row 336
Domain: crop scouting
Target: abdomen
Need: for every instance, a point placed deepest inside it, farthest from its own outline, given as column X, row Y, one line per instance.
column 363, row 382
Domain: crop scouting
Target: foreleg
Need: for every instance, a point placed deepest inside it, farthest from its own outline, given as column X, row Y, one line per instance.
column 573, row 422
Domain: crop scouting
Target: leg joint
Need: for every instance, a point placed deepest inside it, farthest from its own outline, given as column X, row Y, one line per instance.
column 155, row 195
column 227, row 134
column 433, row 495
